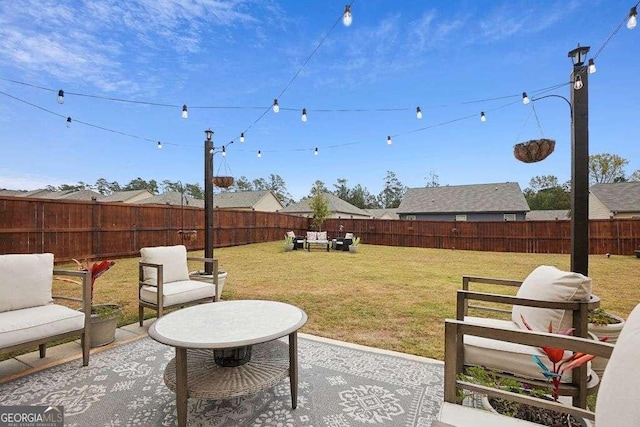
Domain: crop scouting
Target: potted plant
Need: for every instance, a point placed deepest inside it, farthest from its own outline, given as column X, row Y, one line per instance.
column 104, row 317
column 288, row 243
column 605, row 326
column 353, row 247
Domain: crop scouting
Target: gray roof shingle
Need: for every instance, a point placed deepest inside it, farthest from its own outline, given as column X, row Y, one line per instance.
column 500, row 197
column 619, row 196
column 172, row 198
column 123, row 196
column 548, row 215
column 239, row 199
column 336, row 205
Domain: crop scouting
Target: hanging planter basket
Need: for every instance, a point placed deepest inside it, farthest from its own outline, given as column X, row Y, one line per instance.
column 534, row 150
column 223, row 181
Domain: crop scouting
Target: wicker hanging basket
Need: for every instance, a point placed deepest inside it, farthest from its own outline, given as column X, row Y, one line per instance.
column 223, row 181
column 534, row 150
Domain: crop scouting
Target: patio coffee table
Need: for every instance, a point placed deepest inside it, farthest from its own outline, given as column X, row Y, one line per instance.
column 197, row 331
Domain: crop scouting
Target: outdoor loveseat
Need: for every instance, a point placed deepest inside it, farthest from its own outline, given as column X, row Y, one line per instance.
column 28, row 315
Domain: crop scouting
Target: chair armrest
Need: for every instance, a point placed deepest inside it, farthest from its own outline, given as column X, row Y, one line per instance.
column 488, row 280
column 200, row 259
column 85, row 278
column 159, row 275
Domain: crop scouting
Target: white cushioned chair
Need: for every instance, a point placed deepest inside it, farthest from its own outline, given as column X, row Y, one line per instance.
column 28, row 315
column 546, row 295
column 317, row 238
column 617, row 401
column 164, row 280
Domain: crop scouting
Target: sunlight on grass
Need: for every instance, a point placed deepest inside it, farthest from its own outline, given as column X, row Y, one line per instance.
column 388, row 297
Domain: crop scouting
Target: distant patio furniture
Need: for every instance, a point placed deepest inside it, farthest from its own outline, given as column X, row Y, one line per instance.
column 164, row 280
column 298, row 241
column 28, row 316
column 342, row 243
column 317, row 238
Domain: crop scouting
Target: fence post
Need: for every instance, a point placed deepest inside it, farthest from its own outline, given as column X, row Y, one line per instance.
column 96, row 235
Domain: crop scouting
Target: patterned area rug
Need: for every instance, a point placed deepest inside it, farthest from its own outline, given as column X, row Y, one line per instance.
column 339, row 386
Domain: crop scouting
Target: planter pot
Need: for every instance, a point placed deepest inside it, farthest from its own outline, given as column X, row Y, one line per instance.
column 353, row 248
column 534, row 150
column 222, row 277
column 580, row 421
column 612, row 331
column 103, row 326
column 288, row 247
column 223, row 181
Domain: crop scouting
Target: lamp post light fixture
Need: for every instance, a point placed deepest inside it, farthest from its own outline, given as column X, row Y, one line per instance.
column 580, row 161
column 208, row 199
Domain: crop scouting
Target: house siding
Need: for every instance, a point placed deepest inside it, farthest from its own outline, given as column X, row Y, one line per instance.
column 268, row 204
column 471, row 216
column 597, row 209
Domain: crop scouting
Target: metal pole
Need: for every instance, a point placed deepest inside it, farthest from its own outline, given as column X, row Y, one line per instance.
column 580, row 172
column 208, row 203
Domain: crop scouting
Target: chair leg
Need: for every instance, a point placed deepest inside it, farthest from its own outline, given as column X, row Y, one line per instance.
column 140, row 314
column 43, row 350
column 85, row 342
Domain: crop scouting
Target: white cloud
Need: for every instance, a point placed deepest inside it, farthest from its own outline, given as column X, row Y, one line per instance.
column 17, row 181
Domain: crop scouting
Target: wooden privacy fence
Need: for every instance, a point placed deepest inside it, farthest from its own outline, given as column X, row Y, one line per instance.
column 79, row 229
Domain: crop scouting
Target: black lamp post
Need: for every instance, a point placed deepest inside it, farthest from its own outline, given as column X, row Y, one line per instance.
column 208, row 200
column 579, row 161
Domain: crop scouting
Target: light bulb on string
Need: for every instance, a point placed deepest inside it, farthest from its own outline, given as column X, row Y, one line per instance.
column 418, row 113
column 259, row 153
column 577, row 85
column 68, row 122
column 185, row 113
column 347, row 18
column 60, row 96
column 525, row 98
column 159, row 145
column 592, row 66
column 276, row 107
column 242, row 137
column 224, row 151
column 315, row 153
column 304, row 115
column 483, row 117
column 389, row 141
column 633, row 18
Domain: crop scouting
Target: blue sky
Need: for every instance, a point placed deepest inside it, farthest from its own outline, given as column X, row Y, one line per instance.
column 397, row 55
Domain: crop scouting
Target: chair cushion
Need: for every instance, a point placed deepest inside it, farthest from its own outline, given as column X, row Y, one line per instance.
column 25, row 280
column 322, row 235
column 291, row 234
column 548, row 283
column 617, row 402
column 179, row 292
column 173, row 260
column 348, row 236
column 30, row 324
column 505, row 356
column 312, row 235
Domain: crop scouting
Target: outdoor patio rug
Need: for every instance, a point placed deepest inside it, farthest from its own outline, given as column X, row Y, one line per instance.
column 339, row 386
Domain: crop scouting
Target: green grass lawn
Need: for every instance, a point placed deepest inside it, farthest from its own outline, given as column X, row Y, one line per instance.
column 388, row 297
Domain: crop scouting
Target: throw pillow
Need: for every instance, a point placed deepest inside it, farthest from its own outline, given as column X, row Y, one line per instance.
column 312, row 235
column 291, row 234
column 25, row 281
column 348, row 236
column 548, row 283
column 322, row 235
column 173, row 260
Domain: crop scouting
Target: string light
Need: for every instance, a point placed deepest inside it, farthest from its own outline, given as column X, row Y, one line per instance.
column 224, row 151
column 577, row 85
column 483, row 117
column 242, row 137
column 315, row 153
column 418, row 113
column 68, row 122
column 276, row 107
column 185, row 113
column 304, row 115
column 347, row 18
column 259, row 153
column 389, row 141
column 159, row 145
column 60, row 96
column 525, row 98
column 633, row 18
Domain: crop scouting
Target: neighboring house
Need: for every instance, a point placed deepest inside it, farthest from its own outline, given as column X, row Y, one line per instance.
column 82, row 195
column 132, row 196
column 172, row 198
column 615, row 200
column 477, row 202
column 549, row 215
column 384, row 213
column 260, row 200
column 338, row 208
column 12, row 193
